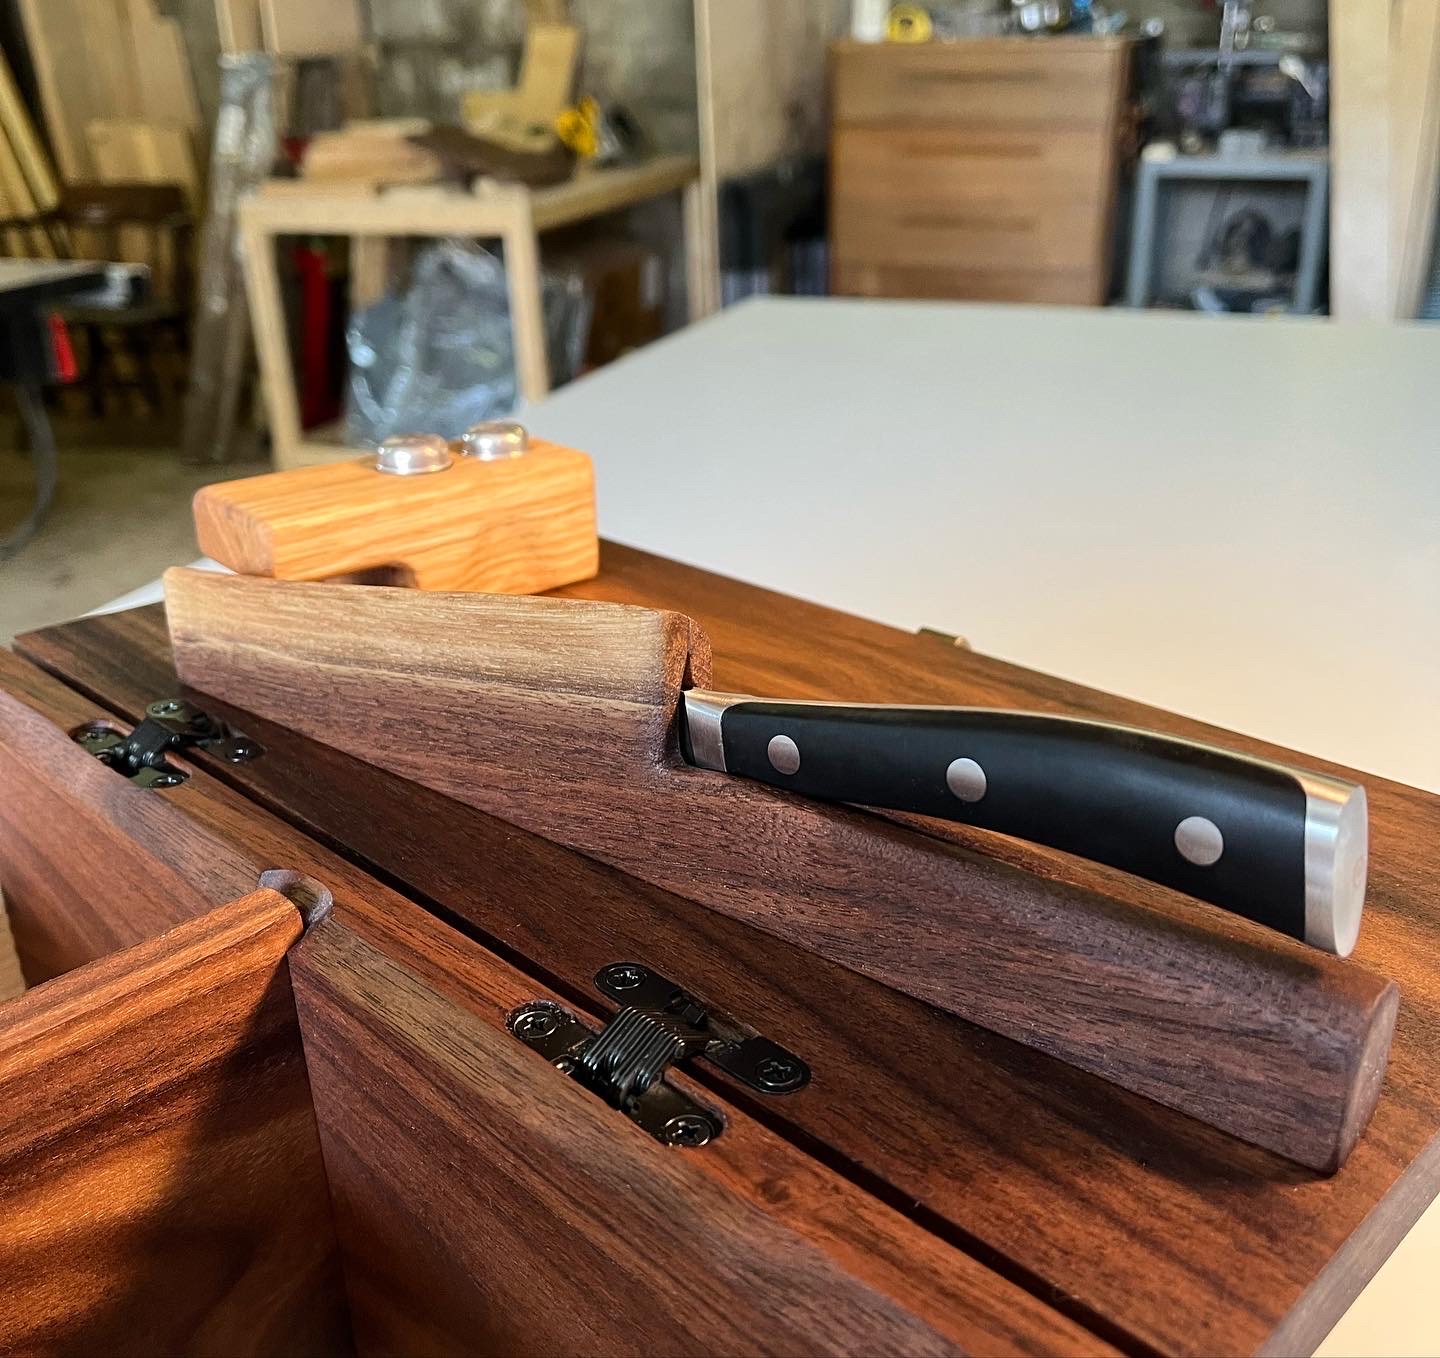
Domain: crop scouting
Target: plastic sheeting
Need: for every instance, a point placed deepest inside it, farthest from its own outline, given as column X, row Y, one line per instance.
column 439, row 356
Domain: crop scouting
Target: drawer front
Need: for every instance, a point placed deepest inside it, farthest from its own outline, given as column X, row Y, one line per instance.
column 936, row 197
column 996, row 82
column 954, row 165
column 1083, row 287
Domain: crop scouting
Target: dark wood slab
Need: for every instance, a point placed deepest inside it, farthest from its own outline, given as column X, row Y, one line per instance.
column 446, row 1219
column 568, row 730
column 1167, row 1236
column 488, row 1205
column 161, row 1188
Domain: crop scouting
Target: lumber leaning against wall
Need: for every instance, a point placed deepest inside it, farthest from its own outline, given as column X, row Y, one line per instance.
column 104, row 59
column 1385, row 147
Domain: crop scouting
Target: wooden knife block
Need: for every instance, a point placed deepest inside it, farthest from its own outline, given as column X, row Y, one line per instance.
column 569, row 731
column 511, row 526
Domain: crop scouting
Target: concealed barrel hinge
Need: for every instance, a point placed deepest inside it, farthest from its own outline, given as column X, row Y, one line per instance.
column 660, row 1024
column 169, row 724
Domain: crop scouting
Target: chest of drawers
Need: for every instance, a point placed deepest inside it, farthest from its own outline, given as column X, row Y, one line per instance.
column 982, row 170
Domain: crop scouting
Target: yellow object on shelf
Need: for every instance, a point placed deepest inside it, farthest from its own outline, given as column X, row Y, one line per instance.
column 908, row 23
column 579, row 128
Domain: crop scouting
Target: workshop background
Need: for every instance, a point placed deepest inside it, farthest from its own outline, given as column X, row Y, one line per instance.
column 361, row 218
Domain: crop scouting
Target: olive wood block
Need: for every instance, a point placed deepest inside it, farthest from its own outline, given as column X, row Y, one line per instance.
column 568, row 729
column 161, row 1188
column 509, row 526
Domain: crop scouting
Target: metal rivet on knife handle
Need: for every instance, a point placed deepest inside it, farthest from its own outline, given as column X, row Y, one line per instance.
column 784, row 754
column 966, row 779
column 1199, row 841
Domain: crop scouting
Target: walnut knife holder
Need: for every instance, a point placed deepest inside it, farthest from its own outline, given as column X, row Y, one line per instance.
column 567, row 729
column 510, row 526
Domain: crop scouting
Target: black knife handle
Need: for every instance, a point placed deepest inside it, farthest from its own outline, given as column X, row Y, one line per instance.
column 1281, row 846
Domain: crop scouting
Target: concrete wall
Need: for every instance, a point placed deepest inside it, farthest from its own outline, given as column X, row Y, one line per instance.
column 1190, row 25
column 640, row 53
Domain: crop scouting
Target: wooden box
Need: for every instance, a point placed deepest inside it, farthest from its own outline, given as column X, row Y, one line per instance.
column 930, row 1187
column 982, row 170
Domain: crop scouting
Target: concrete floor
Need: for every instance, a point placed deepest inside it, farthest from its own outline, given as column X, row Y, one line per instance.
column 121, row 516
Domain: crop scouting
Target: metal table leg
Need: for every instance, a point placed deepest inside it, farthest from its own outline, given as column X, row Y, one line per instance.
column 42, row 453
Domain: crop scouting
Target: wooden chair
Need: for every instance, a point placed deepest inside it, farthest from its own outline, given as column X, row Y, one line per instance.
column 145, row 224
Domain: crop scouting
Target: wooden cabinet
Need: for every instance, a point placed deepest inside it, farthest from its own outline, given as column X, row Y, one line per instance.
column 981, row 170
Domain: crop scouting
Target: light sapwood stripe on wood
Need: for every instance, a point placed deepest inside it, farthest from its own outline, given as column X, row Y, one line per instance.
column 12, row 980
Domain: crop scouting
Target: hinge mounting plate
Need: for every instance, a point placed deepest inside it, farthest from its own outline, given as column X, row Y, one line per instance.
column 659, row 1025
column 169, row 724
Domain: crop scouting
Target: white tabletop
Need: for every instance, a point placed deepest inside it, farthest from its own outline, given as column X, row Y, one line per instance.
column 1236, row 519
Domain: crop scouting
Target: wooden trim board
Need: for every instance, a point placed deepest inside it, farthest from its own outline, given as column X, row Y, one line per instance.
column 511, row 213
column 1415, row 148
column 316, row 28
column 134, row 151
column 161, row 1186
column 25, row 144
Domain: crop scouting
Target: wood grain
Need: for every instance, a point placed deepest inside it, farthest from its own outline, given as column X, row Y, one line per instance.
column 61, row 905
column 12, row 978
column 1157, row 1231
column 432, row 1115
column 137, row 151
column 82, row 55
column 1361, row 90
column 516, row 526
column 161, row 1188
column 982, row 169
column 318, row 28
column 509, row 1151
column 26, row 145
column 999, row 82
column 162, row 67
column 569, row 732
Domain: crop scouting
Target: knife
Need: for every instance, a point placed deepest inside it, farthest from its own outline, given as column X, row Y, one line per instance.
column 1282, row 846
